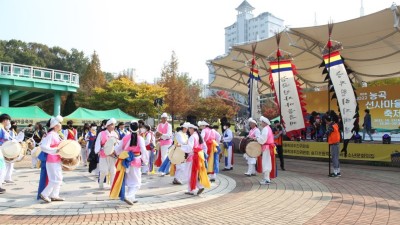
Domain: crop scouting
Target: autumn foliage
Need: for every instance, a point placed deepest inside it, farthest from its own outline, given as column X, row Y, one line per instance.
column 270, row 110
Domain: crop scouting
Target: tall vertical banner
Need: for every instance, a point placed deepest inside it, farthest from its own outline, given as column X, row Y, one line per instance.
column 255, row 101
column 254, row 95
column 287, row 94
column 344, row 91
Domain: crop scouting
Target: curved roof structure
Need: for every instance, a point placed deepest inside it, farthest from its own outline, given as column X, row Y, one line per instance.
column 371, row 49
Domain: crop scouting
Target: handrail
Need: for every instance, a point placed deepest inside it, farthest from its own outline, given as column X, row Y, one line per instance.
column 33, row 72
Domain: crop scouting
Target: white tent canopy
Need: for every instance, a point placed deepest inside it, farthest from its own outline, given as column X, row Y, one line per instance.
column 371, row 49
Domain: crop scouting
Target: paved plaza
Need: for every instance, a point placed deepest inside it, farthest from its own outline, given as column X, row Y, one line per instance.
column 303, row 194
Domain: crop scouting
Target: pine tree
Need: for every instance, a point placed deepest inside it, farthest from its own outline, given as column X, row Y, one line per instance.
column 93, row 76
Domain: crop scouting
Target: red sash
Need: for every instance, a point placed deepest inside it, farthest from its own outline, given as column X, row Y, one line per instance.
column 195, row 168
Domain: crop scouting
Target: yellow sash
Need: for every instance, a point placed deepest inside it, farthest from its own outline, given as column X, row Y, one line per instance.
column 203, row 177
column 116, row 188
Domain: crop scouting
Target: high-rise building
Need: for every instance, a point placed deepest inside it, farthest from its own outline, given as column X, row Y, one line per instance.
column 247, row 28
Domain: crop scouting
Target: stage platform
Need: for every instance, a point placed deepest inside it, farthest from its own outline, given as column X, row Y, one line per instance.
column 385, row 154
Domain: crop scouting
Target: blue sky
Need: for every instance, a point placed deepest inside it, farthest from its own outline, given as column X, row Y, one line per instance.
column 142, row 34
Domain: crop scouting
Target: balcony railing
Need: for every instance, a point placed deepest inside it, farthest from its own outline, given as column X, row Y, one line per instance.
column 24, row 71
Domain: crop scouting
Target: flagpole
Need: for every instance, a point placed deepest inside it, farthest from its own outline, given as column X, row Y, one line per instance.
column 329, row 45
column 279, row 84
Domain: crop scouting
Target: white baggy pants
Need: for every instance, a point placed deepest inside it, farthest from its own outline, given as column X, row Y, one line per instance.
column 228, row 164
column 164, row 152
column 9, row 171
column 266, row 164
column 54, row 173
column 180, row 172
column 2, row 175
column 251, row 162
column 84, row 155
column 107, row 166
column 34, row 158
column 145, row 168
column 133, row 181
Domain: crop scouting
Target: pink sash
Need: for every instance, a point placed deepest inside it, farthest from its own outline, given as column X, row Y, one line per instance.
column 53, row 158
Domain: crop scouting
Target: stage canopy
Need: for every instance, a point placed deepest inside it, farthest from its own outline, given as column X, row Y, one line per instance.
column 82, row 116
column 371, row 49
column 26, row 115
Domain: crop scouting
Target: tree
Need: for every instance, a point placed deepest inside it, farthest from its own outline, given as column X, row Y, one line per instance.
column 177, row 98
column 69, row 105
column 212, row 108
column 270, row 110
column 193, row 89
column 228, row 99
column 93, row 76
column 108, row 76
column 390, row 81
column 126, row 95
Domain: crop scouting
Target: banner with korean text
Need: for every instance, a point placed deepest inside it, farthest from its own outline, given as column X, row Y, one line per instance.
column 383, row 102
column 287, row 94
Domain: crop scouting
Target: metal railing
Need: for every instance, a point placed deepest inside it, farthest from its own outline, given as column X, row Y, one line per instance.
column 33, row 72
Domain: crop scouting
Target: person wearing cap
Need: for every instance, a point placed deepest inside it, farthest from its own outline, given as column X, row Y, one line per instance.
column 131, row 153
column 180, row 138
column 278, row 137
column 254, row 133
column 106, row 162
column 166, row 138
column 209, row 138
column 228, row 142
column 266, row 162
column 195, row 163
column 150, row 143
column 333, row 135
column 121, row 130
column 51, row 163
column 4, row 136
column 70, row 133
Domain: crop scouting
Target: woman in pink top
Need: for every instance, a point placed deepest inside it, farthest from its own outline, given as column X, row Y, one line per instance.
column 49, row 145
column 133, row 178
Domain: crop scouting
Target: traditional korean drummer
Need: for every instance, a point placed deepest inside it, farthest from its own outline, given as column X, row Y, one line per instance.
column 254, row 133
column 4, row 136
column 106, row 162
column 52, row 160
column 266, row 139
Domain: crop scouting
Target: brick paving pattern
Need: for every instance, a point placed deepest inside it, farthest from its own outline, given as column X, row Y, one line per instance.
column 301, row 195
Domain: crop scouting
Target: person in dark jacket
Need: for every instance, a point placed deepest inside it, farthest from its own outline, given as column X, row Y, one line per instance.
column 367, row 125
